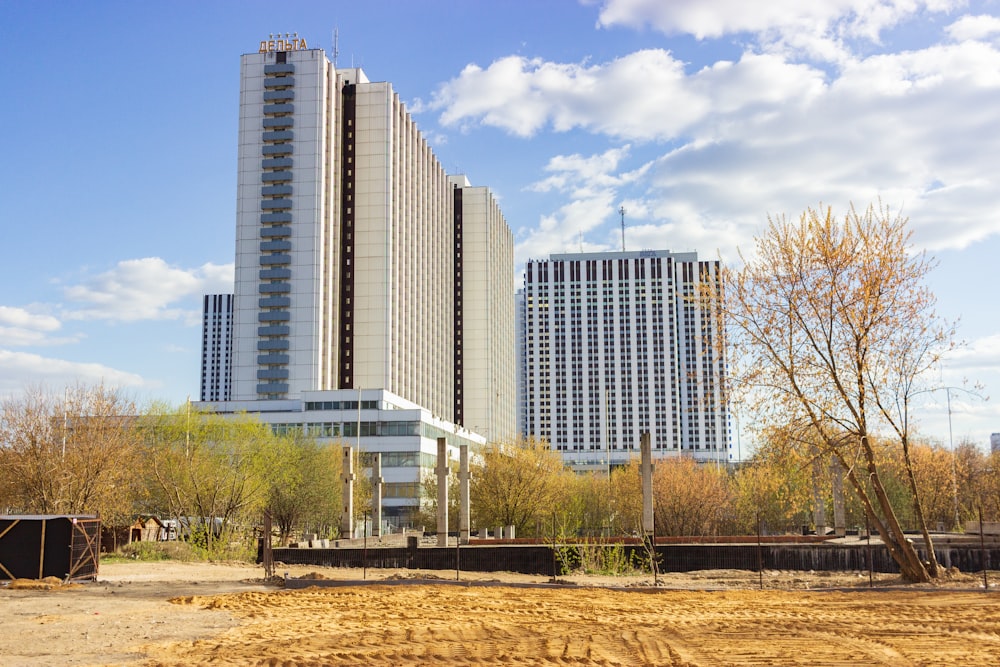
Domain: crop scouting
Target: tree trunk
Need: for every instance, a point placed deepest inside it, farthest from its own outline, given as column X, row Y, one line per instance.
column 901, row 550
column 918, row 510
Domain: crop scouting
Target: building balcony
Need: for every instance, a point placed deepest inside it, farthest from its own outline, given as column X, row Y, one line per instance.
column 279, row 68
column 273, row 344
column 278, row 95
column 279, row 82
column 275, row 246
column 273, row 388
column 271, row 260
column 275, row 274
column 276, row 163
column 274, row 316
column 271, row 109
column 280, row 122
column 276, row 176
column 271, row 359
column 272, row 374
column 275, row 190
column 275, row 204
column 275, row 232
column 274, row 330
column 274, row 302
column 270, row 150
column 278, row 135
column 274, row 288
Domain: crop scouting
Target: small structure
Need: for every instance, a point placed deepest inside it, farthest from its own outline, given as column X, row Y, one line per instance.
column 147, row 529
column 39, row 546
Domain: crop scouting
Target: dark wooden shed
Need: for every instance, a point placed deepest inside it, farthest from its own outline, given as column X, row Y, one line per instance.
column 39, row 546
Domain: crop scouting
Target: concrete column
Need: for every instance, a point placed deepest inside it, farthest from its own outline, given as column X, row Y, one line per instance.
column 646, row 472
column 819, row 501
column 464, row 477
column 376, row 460
column 347, row 488
column 839, row 518
column 442, row 482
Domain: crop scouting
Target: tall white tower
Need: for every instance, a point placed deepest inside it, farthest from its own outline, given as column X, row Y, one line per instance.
column 359, row 263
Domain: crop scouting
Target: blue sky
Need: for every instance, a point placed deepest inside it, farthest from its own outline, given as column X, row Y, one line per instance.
column 700, row 117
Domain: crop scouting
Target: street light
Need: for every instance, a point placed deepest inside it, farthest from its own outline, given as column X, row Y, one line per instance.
column 951, row 442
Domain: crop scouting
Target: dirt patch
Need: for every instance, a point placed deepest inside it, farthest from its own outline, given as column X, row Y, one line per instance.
column 169, row 613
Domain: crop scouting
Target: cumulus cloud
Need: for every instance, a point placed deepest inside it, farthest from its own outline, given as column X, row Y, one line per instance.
column 706, row 19
column 981, row 355
column 737, row 141
column 644, row 96
column 591, row 184
column 146, row 289
column 975, row 28
column 22, row 327
column 20, row 369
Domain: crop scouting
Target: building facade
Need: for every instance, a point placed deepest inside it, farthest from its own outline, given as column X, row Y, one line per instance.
column 622, row 343
column 216, row 346
column 370, row 421
column 360, row 264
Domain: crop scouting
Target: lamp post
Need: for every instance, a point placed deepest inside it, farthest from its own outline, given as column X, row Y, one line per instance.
column 951, row 444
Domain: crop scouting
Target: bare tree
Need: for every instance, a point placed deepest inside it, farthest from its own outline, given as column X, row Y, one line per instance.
column 70, row 452
column 835, row 329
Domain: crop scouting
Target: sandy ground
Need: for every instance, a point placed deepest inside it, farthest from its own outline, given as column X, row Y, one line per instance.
column 172, row 613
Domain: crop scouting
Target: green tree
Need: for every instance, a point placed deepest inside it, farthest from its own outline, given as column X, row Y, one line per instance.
column 834, row 330
column 210, row 472
column 305, row 486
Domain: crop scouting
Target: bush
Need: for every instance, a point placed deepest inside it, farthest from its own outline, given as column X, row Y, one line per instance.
column 154, row 551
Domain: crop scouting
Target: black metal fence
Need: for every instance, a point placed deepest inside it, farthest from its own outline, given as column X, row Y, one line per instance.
column 542, row 559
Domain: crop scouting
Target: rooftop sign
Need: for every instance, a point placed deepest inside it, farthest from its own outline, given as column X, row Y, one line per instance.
column 288, row 42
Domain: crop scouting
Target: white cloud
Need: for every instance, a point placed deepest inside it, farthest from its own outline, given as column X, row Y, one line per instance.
column 761, row 136
column 22, row 327
column 705, row 19
column 981, row 355
column 591, row 184
column 20, row 369
column 974, row 27
column 146, row 289
column 644, row 96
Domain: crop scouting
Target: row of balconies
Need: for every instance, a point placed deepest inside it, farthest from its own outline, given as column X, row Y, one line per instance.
column 276, row 204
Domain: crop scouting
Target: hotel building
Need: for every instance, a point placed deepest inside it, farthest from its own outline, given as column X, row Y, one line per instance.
column 360, row 264
column 618, row 344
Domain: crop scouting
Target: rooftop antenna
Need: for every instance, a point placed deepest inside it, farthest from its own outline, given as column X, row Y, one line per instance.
column 336, row 47
column 621, row 210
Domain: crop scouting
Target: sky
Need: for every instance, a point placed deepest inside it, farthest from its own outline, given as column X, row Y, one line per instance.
column 700, row 118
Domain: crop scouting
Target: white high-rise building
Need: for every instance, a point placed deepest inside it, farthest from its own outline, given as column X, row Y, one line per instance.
column 618, row 344
column 372, row 303
column 360, row 264
column 216, row 346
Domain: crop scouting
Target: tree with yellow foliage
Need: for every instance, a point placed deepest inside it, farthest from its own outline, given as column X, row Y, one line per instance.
column 516, row 484
column 834, row 330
